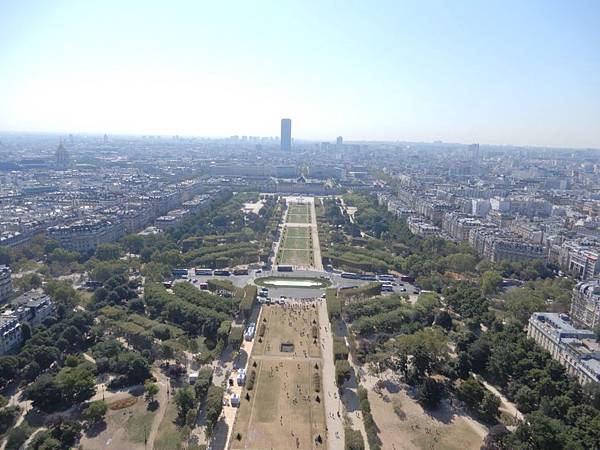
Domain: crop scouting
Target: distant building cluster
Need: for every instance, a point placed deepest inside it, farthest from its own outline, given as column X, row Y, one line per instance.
column 504, row 212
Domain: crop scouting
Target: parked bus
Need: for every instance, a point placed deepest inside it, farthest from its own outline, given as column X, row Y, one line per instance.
column 387, row 288
column 222, row 273
column 204, row 272
column 285, row 269
column 349, row 275
column 240, row 271
column 386, row 277
column 407, row 279
column 180, row 273
column 367, row 277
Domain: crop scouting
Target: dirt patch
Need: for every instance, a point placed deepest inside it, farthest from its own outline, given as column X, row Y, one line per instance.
column 403, row 424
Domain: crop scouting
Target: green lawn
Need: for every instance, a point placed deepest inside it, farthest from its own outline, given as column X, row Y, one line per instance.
column 295, row 257
column 139, row 425
column 299, row 209
column 169, row 434
column 298, row 218
column 297, row 232
column 299, row 243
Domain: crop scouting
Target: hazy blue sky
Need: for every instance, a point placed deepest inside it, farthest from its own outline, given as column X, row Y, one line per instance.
column 506, row 72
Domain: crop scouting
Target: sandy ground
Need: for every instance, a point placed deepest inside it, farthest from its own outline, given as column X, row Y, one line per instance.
column 282, row 410
column 446, row 428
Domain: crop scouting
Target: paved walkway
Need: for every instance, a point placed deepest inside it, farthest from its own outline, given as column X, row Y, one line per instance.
column 333, row 403
column 505, row 403
column 317, row 260
column 163, row 399
column 224, row 428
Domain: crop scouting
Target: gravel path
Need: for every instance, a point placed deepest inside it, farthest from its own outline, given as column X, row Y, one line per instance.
column 333, row 406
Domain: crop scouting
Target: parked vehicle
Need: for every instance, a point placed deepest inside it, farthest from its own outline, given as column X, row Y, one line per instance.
column 222, row 273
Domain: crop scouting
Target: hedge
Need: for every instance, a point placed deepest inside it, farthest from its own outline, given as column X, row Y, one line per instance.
column 334, row 305
column 353, row 439
column 368, row 290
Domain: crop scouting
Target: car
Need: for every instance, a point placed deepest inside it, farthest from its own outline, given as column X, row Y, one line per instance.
column 403, row 290
column 324, row 295
column 258, row 271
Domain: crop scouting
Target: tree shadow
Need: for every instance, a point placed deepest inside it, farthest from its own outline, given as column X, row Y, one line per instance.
column 442, row 413
column 219, row 436
column 95, row 429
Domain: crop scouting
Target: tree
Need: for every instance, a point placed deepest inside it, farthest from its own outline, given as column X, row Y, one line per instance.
column 108, row 252
column 95, row 412
column 526, row 399
column 342, row 372
column 214, row 406
column 8, row 416
column 490, row 282
column 430, row 393
column 25, row 331
column 471, row 392
column 185, row 399
column 538, row 432
column 353, row 440
column 489, row 406
column 133, row 243
column 444, row 320
column 44, row 393
column 495, row 438
column 463, row 365
column 521, row 303
column 151, row 390
column 461, row 262
column 76, row 384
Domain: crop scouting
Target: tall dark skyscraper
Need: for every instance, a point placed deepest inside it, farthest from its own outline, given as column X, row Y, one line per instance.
column 286, row 134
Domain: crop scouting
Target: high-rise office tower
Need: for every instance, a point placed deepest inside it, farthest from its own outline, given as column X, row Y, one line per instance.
column 339, row 143
column 286, row 134
column 474, row 152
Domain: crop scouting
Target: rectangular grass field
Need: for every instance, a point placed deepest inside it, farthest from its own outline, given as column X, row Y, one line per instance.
column 295, row 257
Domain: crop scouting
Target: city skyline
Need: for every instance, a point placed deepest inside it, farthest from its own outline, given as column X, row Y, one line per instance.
column 499, row 74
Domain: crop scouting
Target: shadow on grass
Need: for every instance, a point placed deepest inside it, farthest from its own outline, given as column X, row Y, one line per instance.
column 95, row 429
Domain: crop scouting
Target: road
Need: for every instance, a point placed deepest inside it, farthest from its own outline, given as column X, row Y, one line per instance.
column 333, row 403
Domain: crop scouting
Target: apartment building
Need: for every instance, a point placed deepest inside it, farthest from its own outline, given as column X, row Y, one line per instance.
column 585, row 303
column 85, row 235
column 10, row 334
column 5, row 283
column 32, row 307
column 575, row 349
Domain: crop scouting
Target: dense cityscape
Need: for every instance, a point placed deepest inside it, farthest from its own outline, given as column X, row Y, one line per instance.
column 150, row 275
